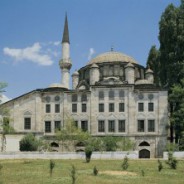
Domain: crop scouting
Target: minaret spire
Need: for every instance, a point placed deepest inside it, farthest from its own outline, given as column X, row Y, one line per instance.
column 66, row 31
column 65, row 62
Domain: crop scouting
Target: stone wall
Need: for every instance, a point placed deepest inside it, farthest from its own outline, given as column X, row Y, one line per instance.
column 68, row 155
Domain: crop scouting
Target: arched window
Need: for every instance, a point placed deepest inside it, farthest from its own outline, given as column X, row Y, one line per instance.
column 144, row 143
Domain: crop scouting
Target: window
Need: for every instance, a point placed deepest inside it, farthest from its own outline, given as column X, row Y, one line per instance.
column 111, row 126
column 101, row 95
column 74, row 107
column 111, row 107
column 140, row 107
column 84, row 126
column 27, row 123
column 121, row 107
column 121, row 126
column 47, row 126
column 84, row 108
column 151, row 125
column 74, row 98
column 111, row 95
column 47, row 108
column 121, row 94
column 101, row 126
column 140, row 126
column 150, row 107
column 57, row 108
column 84, row 98
column 101, row 107
column 57, row 125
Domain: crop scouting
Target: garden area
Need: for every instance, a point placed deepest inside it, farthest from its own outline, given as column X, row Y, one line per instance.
column 95, row 172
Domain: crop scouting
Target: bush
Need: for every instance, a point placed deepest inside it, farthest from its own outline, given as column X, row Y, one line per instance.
column 29, row 143
column 172, row 162
column 95, row 171
column 125, row 163
column 73, row 174
column 160, row 166
column 88, row 153
column 51, row 166
column 110, row 143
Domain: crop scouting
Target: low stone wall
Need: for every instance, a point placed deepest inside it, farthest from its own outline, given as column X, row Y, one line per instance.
column 176, row 154
column 68, row 155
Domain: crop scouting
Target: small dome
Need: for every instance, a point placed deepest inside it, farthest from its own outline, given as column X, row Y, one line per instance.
column 75, row 73
column 149, row 70
column 112, row 57
column 129, row 65
column 94, row 66
column 56, row 85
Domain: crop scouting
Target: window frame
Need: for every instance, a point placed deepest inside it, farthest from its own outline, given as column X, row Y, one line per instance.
column 121, row 128
column 121, row 107
column 56, row 127
column 101, row 126
column 74, row 107
column 111, row 126
column 48, row 127
column 57, row 108
column 150, row 107
column 27, row 125
column 140, row 122
column 140, row 107
column 84, row 107
column 111, row 107
column 101, row 107
column 48, row 108
column 150, row 127
column 84, row 125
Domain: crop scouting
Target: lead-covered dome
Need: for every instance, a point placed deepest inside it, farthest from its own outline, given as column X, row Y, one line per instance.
column 112, row 57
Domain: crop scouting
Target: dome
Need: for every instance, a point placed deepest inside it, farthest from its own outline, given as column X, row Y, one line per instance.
column 112, row 57
column 56, row 85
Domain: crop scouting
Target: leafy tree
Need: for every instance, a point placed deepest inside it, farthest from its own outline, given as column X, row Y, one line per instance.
column 29, row 143
column 169, row 62
column 154, row 64
column 6, row 128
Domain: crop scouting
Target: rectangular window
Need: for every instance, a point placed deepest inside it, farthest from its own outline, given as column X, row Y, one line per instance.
column 111, row 107
column 84, row 108
column 121, row 107
column 101, row 95
column 57, row 108
column 111, row 95
column 84, row 126
column 140, row 127
column 74, row 98
column 151, row 125
column 111, row 126
column 121, row 126
column 27, row 123
column 101, row 107
column 101, row 126
column 121, row 94
column 150, row 107
column 140, row 107
column 84, row 98
column 74, row 107
column 47, row 126
column 47, row 108
column 57, row 125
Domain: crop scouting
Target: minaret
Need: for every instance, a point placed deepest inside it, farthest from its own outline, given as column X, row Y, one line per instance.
column 65, row 63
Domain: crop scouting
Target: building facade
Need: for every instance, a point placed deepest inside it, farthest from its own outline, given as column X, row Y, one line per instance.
column 111, row 95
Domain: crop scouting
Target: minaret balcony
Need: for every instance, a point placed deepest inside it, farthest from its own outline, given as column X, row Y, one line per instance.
column 65, row 64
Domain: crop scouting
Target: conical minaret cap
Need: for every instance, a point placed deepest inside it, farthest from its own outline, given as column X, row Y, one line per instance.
column 66, row 32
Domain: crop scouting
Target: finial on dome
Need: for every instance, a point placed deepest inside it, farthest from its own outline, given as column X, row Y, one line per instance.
column 112, row 48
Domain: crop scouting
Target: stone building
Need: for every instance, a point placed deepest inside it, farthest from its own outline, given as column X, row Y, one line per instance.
column 111, row 95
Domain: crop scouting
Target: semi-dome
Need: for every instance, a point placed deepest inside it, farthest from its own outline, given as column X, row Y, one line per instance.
column 112, row 57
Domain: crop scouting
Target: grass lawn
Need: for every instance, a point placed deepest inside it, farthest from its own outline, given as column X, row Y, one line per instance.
column 37, row 172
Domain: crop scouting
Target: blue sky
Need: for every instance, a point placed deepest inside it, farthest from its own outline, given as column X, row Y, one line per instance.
column 31, row 32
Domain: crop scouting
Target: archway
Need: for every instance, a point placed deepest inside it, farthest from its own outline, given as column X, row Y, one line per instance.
column 144, row 153
column 144, row 143
column 54, row 144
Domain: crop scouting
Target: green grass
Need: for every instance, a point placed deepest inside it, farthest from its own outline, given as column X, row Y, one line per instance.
column 37, row 172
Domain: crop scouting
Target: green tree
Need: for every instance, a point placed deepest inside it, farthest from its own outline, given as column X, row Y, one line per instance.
column 169, row 69
column 154, row 64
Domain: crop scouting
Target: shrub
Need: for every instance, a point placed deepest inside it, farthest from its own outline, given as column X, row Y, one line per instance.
column 95, row 171
column 125, row 163
column 172, row 162
column 73, row 174
column 29, row 143
column 51, row 166
column 110, row 143
column 142, row 173
column 88, row 153
column 160, row 166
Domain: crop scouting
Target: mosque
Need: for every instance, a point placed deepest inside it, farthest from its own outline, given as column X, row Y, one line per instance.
column 112, row 95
